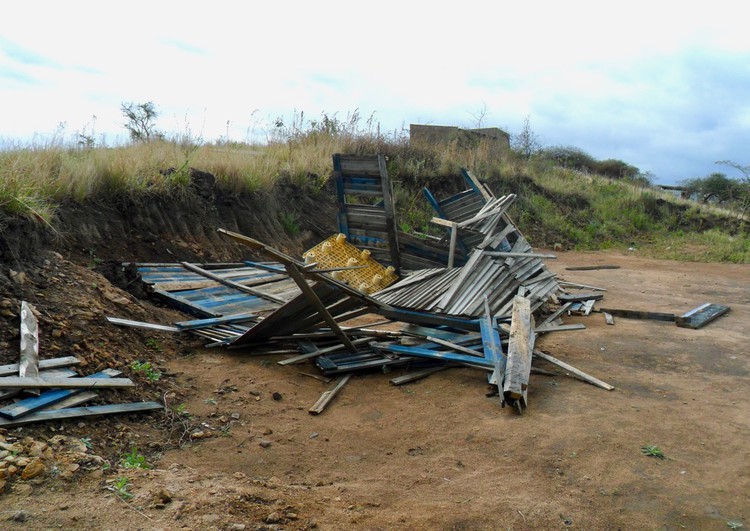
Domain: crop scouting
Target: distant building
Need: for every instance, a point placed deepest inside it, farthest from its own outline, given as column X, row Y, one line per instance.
column 677, row 191
column 444, row 134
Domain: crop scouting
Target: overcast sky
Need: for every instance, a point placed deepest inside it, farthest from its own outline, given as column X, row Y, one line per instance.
column 664, row 88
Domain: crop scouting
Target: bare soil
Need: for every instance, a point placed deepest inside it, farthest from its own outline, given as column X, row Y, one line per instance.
column 436, row 454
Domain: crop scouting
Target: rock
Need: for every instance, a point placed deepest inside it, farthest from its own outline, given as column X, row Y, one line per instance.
column 267, row 431
column 265, row 443
column 19, row 277
column 164, row 496
column 12, row 469
column 276, row 396
column 33, row 469
column 21, row 462
column 237, row 527
column 273, row 518
column 210, row 518
column 20, row 516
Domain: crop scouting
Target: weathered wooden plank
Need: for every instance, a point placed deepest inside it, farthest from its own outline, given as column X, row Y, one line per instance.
column 520, row 346
column 591, row 267
column 203, row 323
column 609, row 319
column 586, row 377
column 23, row 407
column 74, row 400
column 329, row 395
column 702, row 315
column 319, row 352
column 559, row 328
column 139, row 324
column 580, row 297
column 640, row 314
column 417, row 375
column 14, row 382
column 54, row 363
column 231, row 283
column 80, row 412
column 29, row 359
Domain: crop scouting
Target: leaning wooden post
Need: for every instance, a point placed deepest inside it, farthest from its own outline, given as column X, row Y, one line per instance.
column 29, row 361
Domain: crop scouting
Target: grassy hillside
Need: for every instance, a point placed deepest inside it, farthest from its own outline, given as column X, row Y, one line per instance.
column 555, row 205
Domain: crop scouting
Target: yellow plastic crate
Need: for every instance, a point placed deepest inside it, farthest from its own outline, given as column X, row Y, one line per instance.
column 337, row 252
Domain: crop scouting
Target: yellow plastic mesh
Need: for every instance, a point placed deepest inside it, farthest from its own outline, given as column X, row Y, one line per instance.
column 337, row 252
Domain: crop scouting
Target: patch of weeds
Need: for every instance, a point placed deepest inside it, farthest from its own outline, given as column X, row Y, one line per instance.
column 87, row 442
column 121, row 488
column 210, row 401
column 146, row 369
column 181, row 410
column 290, row 222
column 651, row 450
column 735, row 525
column 153, row 344
column 134, row 460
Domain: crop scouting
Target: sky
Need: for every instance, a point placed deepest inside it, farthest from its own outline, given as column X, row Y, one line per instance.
column 663, row 86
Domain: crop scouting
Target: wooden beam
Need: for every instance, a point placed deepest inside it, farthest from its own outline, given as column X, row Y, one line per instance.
column 319, row 352
column 79, row 412
column 319, row 306
column 591, row 268
column 493, row 348
column 503, row 254
column 231, row 283
column 29, row 360
column 559, row 328
column 416, row 375
column 640, row 314
column 13, row 382
column 582, row 375
column 139, row 324
column 520, row 346
column 329, row 395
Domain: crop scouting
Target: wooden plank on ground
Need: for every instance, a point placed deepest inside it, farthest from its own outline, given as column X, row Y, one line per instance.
column 329, row 395
column 203, row 323
column 231, row 283
column 702, row 315
column 139, row 324
column 54, row 363
column 80, row 412
column 577, row 372
column 608, row 318
column 14, row 382
column 48, row 398
column 639, row 314
column 591, row 268
column 580, row 297
column 416, row 375
column 520, row 346
column 559, row 328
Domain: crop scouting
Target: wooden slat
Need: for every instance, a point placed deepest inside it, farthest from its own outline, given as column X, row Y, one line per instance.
column 329, row 395
column 81, row 412
column 417, row 375
column 13, row 382
column 640, row 314
column 586, row 377
column 67, row 361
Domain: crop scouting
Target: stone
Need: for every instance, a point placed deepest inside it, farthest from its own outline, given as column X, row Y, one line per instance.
column 273, row 518
column 33, row 469
column 265, row 443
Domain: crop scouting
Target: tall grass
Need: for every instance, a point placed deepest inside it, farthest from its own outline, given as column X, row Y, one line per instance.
column 555, row 204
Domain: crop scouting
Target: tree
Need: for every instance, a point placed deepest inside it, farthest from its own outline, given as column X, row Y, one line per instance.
column 141, row 118
column 526, row 143
column 715, row 187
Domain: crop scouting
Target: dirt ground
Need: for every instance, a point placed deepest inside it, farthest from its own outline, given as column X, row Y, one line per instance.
column 438, row 453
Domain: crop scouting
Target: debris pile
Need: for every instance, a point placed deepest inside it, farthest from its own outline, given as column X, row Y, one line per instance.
column 473, row 300
column 55, row 390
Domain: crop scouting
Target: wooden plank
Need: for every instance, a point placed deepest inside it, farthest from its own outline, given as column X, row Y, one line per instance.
column 139, row 324
column 520, row 346
column 560, row 328
column 417, row 375
column 555, row 315
column 639, row 314
column 318, row 305
column 14, row 382
column 81, row 412
column 329, row 395
column 502, row 254
column 73, row 401
column 580, row 286
column 54, row 363
column 702, row 315
column 591, row 268
column 231, row 283
column 319, row 352
column 390, row 213
column 580, row 297
column 586, row 377
column 48, row 398
column 480, row 188
column 203, row 323
column 608, row 318
column 420, row 352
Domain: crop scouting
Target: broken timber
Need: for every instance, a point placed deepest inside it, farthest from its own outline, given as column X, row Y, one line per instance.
column 79, row 412
column 329, row 395
column 701, row 316
column 582, row 375
column 520, row 347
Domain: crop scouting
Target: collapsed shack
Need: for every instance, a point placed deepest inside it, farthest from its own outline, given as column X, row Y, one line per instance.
column 472, row 300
